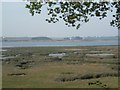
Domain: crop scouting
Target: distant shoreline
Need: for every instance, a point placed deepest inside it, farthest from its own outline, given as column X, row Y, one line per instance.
column 72, row 38
column 57, row 40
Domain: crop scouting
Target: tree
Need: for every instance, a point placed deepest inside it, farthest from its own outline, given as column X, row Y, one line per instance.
column 76, row 13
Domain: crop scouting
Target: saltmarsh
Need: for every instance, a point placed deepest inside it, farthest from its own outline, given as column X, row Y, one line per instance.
column 32, row 67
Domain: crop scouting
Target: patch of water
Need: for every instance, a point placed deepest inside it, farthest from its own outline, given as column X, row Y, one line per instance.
column 103, row 54
column 2, row 57
column 58, row 55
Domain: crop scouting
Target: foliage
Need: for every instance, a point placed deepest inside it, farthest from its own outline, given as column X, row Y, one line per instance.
column 76, row 13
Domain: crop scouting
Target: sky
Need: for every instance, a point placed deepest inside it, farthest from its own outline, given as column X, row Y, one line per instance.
column 18, row 22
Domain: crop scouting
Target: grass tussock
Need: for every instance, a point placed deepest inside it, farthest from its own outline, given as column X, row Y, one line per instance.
column 73, row 77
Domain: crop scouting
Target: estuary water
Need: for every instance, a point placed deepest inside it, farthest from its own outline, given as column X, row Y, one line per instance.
column 58, row 43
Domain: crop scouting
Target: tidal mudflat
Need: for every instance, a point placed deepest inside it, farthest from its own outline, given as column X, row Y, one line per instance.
column 60, row 67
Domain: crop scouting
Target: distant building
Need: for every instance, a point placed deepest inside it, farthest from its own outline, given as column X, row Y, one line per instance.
column 76, row 38
column 67, row 38
column 73, row 38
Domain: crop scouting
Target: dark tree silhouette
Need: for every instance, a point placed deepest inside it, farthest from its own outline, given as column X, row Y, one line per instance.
column 76, row 13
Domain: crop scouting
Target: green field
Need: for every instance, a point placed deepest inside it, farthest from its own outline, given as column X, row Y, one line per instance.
column 81, row 67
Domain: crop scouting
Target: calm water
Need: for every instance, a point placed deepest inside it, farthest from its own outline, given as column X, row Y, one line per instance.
column 58, row 43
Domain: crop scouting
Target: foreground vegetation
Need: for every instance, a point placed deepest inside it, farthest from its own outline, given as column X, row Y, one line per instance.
column 81, row 67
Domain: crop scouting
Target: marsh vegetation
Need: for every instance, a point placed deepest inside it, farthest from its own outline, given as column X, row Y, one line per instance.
column 79, row 67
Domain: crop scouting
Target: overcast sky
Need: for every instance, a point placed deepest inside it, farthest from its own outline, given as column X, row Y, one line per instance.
column 17, row 22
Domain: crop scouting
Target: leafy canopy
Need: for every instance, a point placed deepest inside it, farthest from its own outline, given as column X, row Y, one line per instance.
column 76, row 13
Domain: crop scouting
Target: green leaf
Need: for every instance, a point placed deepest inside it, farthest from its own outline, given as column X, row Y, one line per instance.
column 97, row 13
column 78, row 26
